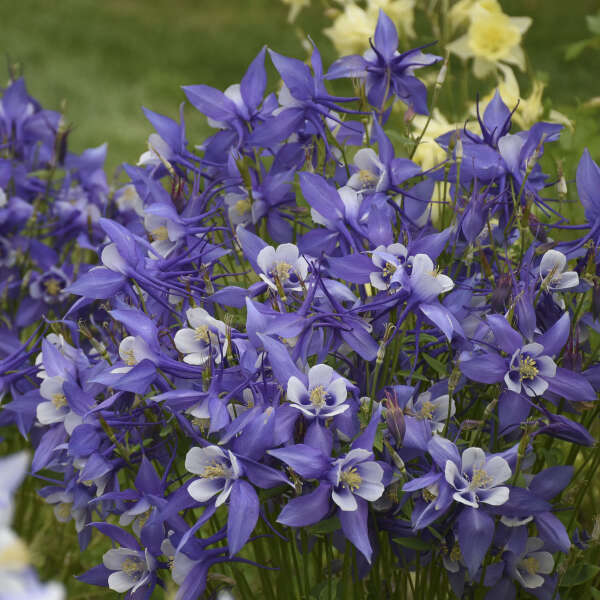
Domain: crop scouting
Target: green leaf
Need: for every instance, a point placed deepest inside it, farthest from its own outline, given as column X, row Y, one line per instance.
column 595, row 593
column 435, row 364
column 413, row 543
column 413, row 375
column 578, row 574
column 327, row 526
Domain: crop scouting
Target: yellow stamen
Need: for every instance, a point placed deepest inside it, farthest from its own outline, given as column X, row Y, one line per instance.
column 130, row 359
column 52, row 286
column 351, row 479
column 202, row 333
column 243, row 206
column 527, row 368
column 281, row 271
column 318, row 396
column 480, row 479
column 531, row 565
column 426, row 411
column 134, row 567
column 214, row 471
column 160, row 234
column 59, row 400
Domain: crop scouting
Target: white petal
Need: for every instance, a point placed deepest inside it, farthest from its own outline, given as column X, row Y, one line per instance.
column 47, row 413
column 113, row 559
column 196, row 317
column 337, row 388
column 495, row 496
column 203, row 490
column 370, row 471
column 186, row 342
column 565, row 281
column 266, row 259
column 472, row 458
column 111, row 259
column 497, row 468
column 197, row 459
column 319, row 375
column 545, row 562
column 553, row 260
column 121, row 582
column 295, row 389
column 366, row 159
column 51, row 386
column 344, row 498
column 287, row 253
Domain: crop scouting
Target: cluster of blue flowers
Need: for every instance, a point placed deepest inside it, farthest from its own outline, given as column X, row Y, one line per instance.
column 276, row 336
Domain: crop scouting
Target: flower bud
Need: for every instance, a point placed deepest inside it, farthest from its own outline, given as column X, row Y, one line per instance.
column 394, row 418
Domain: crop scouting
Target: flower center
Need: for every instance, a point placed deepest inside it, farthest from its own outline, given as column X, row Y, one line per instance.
column 59, row 400
column 243, row 206
column 202, row 333
column 63, row 510
column 389, row 269
column 426, row 411
column 318, row 396
column 129, row 358
column 214, row 471
column 455, row 553
column 133, row 567
column 160, row 234
column 366, row 177
column 281, row 271
column 531, row 565
column 527, row 368
column 351, row 479
column 480, row 479
column 52, row 286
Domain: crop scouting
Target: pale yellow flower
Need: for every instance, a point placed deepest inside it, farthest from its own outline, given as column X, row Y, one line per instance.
column 428, row 153
column 295, row 7
column 401, row 12
column 352, row 28
column 460, row 13
column 492, row 37
column 530, row 110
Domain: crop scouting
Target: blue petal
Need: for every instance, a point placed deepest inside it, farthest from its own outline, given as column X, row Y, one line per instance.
column 243, row 515
column 308, row 509
column 307, row 461
column 355, row 528
column 588, row 184
column 475, row 533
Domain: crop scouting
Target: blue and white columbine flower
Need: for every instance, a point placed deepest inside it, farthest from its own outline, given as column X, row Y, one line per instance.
column 325, row 396
column 390, row 261
column 283, row 269
column 217, row 470
column 132, row 568
column 478, row 478
column 205, row 338
column 356, row 475
column 530, row 370
column 553, row 274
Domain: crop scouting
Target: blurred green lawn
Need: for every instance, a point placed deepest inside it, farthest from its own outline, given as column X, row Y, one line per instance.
column 108, row 58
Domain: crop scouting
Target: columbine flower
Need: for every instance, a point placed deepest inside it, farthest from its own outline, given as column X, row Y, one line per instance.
column 133, row 350
column 217, row 471
column 435, row 410
column 164, row 233
column 372, row 174
column 356, row 475
column 390, row 261
column 283, row 269
column 530, row 566
column 325, row 396
column 426, row 281
column 205, row 338
column 553, row 274
column 529, row 369
column 132, row 568
column 478, row 478
column 492, row 37
column 50, row 286
column 56, row 408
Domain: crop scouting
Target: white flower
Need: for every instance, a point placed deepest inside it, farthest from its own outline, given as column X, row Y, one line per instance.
column 205, row 338
column 426, row 282
column 133, row 350
column 533, row 563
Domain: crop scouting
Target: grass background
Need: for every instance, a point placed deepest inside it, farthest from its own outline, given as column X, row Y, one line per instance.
column 108, row 58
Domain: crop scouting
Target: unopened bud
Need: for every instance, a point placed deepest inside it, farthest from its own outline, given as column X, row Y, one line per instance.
column 537, row 229
column 441, row 76
column 561, row 186
column 394, row 418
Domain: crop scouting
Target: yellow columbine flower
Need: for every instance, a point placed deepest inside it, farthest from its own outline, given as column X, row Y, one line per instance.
column 492, row 37
column 352, row 28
